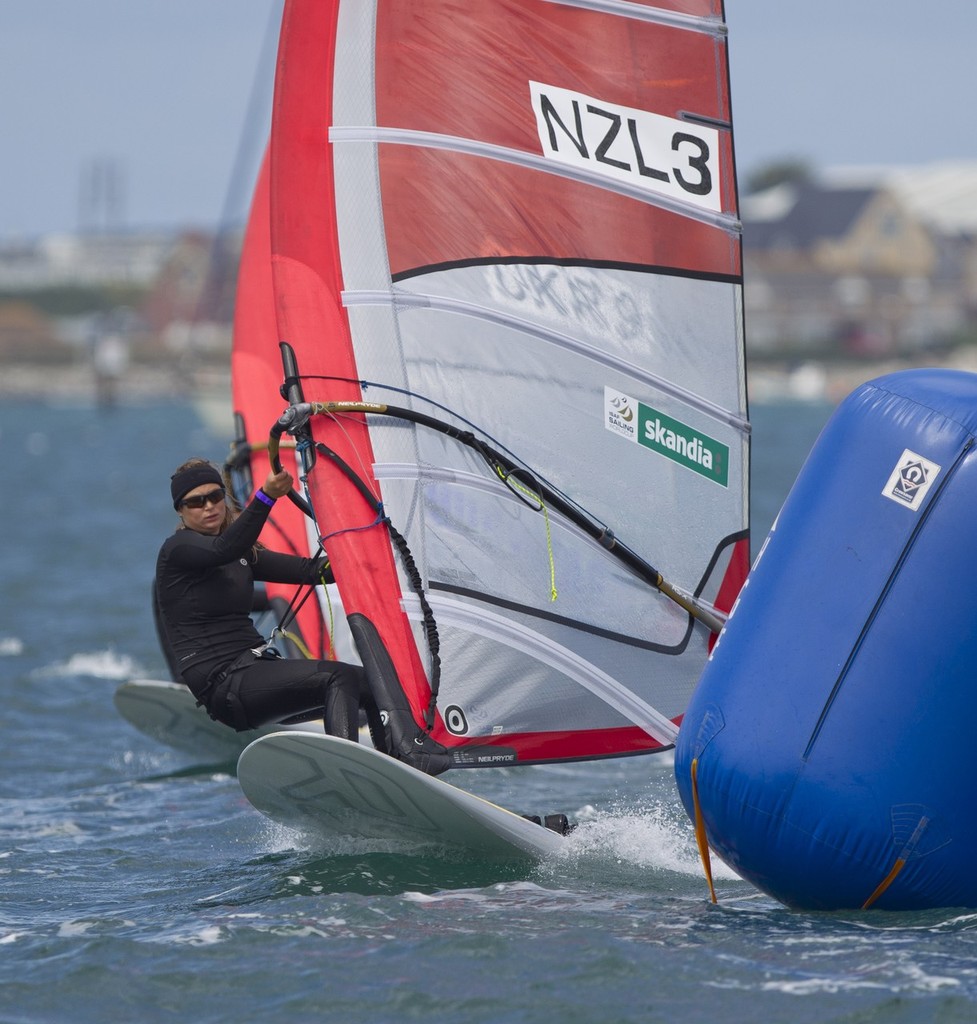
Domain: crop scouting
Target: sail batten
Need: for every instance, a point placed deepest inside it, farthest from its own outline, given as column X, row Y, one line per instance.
column 707, row 24
column 483, row 622
column 482, row 599
column 564, row 341
column 472, row 147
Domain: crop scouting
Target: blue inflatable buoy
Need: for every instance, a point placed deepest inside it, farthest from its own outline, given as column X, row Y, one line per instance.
column 832, row 735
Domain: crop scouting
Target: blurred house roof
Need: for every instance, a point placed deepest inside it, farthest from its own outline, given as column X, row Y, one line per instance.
column 941, row 196
column 801, row 215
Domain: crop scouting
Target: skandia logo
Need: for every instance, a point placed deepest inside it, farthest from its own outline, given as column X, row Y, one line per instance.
column 669, row 437
column 680, row 443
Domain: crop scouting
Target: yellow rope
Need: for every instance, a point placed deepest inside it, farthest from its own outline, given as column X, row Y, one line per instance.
column 549, row 553
column 511, row 481
column 331, row 630
column 297, row 640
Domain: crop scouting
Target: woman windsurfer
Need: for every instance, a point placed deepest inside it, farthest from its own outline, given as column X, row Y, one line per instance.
column 205, row 577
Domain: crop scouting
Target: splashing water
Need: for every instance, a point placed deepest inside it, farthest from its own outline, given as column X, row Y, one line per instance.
column 652, row 837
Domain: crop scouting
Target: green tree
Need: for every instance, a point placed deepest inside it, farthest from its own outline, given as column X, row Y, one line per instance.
column 787, row 170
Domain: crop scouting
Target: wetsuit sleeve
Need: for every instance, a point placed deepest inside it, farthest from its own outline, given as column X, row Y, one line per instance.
column 276, row 567
column 192, row 550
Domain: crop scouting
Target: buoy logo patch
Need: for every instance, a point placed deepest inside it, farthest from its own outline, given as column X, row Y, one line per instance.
column 910, row 480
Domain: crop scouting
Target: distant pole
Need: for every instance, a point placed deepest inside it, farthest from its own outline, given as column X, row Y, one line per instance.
column 102, row 195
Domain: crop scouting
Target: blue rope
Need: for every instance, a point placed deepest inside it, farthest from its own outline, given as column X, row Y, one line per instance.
column 380, row 520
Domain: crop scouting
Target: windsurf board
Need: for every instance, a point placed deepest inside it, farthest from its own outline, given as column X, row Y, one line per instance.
column 168, row 713
column 333, row 787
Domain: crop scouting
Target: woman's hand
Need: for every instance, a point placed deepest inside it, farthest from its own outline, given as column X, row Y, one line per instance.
column 277, row 485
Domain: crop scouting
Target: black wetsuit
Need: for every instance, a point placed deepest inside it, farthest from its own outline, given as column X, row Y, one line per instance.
column 205, row 591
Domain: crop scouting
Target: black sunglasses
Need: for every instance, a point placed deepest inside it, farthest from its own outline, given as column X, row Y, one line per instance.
column 214, row 497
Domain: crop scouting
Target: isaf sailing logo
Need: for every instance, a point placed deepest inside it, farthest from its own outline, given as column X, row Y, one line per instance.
column 911, row 479
column 620, row 414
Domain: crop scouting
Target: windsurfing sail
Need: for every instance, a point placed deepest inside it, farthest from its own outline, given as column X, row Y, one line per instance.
column 514, row 230
column 255, row 361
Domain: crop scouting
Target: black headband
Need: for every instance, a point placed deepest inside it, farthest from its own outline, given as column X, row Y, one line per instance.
column 185, row 480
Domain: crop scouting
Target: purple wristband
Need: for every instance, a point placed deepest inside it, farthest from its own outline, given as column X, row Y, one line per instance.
column 261, row 496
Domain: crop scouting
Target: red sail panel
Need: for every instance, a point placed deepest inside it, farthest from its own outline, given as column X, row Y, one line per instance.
column 467, row 216
column 256, row 369
column 467, row 78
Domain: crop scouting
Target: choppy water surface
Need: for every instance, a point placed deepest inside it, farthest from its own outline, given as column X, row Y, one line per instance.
column 138, row 886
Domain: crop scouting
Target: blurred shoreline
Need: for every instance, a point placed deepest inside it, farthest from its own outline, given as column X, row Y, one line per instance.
column 46, row 380
column 830, row 381
column 208, row 384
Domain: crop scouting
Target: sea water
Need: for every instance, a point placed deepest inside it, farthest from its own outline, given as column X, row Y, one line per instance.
column 138, row 886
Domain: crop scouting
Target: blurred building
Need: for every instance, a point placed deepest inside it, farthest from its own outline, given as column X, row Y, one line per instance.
column 862, row 263
column 173, row 292
column 83, row 260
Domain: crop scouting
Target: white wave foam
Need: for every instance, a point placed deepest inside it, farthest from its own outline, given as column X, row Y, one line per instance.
column 886, row 976
column 102, row 664
column 209, row 935
column 521, row 888
column 72, row 929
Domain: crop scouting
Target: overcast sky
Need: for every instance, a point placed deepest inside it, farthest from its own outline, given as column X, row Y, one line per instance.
column 162, row 91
